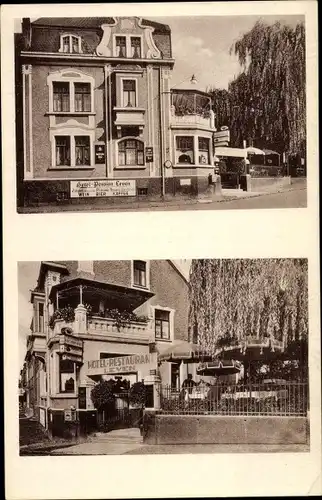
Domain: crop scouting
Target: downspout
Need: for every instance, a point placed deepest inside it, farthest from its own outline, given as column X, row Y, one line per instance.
column 110, row 117
column 161, row 137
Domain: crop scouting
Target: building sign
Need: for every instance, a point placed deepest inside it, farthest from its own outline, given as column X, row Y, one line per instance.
column 185, row 182
column 99, row 153
column 96, row 189
column 222, row 138
column 69, row 415
column 123, row 364
column 71, row 348
column 148, row 154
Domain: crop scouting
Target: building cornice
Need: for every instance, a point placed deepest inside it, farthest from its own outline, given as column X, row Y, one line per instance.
column 93, row 58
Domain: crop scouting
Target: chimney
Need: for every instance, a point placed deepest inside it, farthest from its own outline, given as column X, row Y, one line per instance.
column 26, row 33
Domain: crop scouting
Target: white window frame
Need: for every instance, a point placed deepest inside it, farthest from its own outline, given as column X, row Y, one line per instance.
column 128, row 167
column 171, row 322
column 55, row 378
column 70, row 35
column 147, row 271
column 66, row 130
column 60, row 76
column 122, row 78
column 195, row 149
column 209, row 150
column 127, row 44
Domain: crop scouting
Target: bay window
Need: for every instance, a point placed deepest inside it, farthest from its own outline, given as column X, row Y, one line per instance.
column 184, row 149
column 130, row 152
column 67, row 376
column 129, row 93
column 204, row 150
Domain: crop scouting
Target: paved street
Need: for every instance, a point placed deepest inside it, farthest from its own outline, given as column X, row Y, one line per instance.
column 129, row 442
column 293, row 196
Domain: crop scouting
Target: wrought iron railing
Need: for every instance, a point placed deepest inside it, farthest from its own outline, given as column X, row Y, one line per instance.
column 286, row 399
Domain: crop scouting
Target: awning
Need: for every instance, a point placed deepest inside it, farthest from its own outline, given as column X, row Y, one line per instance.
column 270, row 152
column 184, row 351
column 234, row 152
column 254, row 151
column 121, row 297
column 219, row 367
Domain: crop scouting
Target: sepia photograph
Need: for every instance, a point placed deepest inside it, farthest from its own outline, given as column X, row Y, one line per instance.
column 166, row 113
column 163, row 357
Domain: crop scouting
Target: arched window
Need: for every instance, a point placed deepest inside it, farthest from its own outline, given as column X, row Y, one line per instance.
column 70, row 44
column 130, row 152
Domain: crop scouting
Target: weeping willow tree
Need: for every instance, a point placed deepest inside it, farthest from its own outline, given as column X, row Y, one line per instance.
column 267, row 101
column 235, row 299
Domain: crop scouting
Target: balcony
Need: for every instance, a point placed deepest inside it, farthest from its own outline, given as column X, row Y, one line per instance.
column 107, row 328
column 125, row 117
column 185, row 121
column 134, row 331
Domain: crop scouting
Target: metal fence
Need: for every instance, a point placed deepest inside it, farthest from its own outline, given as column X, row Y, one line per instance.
column 288, row 399
column 267, row 171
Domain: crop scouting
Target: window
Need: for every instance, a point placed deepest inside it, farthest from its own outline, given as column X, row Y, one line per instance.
column 62, row 151
column 66, row 375
column 184, row 150
column 128, row 46
column 82, row 150
column 70, row 44
column 135, row 47
column 129, row 94
column 162, row 324
column 131, row 152
column 61, row 96
column 82, row 96
column 204, row 150
column 139, row 273
column 40, row 318
column 120, row 42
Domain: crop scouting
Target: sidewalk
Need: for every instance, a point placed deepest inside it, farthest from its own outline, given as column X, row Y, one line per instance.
column 101, row 204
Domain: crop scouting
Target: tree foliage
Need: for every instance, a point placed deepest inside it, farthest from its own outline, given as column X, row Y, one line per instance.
column 102, row 395
column 266, row 102
column 231, row 299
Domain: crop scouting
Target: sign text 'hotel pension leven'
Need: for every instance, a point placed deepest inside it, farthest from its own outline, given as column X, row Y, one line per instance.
column 122, row 364
column 95, row 189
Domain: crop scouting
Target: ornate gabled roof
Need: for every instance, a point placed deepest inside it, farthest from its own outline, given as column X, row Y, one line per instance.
column 92, row 22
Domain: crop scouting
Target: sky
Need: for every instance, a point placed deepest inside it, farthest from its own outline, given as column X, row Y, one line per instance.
column 201, row 45
column 27, row 280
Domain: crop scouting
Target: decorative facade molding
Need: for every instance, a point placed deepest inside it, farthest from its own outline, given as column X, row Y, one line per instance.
column 103, row 47
column 153, row 52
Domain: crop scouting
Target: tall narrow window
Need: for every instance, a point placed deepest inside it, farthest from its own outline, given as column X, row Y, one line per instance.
column 204, row 152
column 162, row 324
column 129, row 94
column 135, row 47
column 120, row 42
column 61, row 96
column 184, row 149
column 82, row 150
column 66, row 375
column 62, row 150
column 40, row 318
column 82, row 96
column 139, row 273
column 131, row 152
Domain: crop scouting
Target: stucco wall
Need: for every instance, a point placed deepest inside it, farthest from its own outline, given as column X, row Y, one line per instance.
column 202, row 429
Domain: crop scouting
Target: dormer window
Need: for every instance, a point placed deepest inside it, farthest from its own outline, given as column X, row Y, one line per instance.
column 120, row 43
column 70, row 44
column 128, row 46
column 135, row 47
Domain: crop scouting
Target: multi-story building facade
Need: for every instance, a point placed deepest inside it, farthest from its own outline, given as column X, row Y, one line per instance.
column 97, row 118
column 87, row 313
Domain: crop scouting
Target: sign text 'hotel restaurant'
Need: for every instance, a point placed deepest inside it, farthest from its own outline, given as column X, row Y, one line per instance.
column 122, row 364
column 96, row 189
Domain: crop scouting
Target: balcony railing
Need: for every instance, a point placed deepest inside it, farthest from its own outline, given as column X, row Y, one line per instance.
column 108, row 327
column 136, row 330
column 191, row 119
